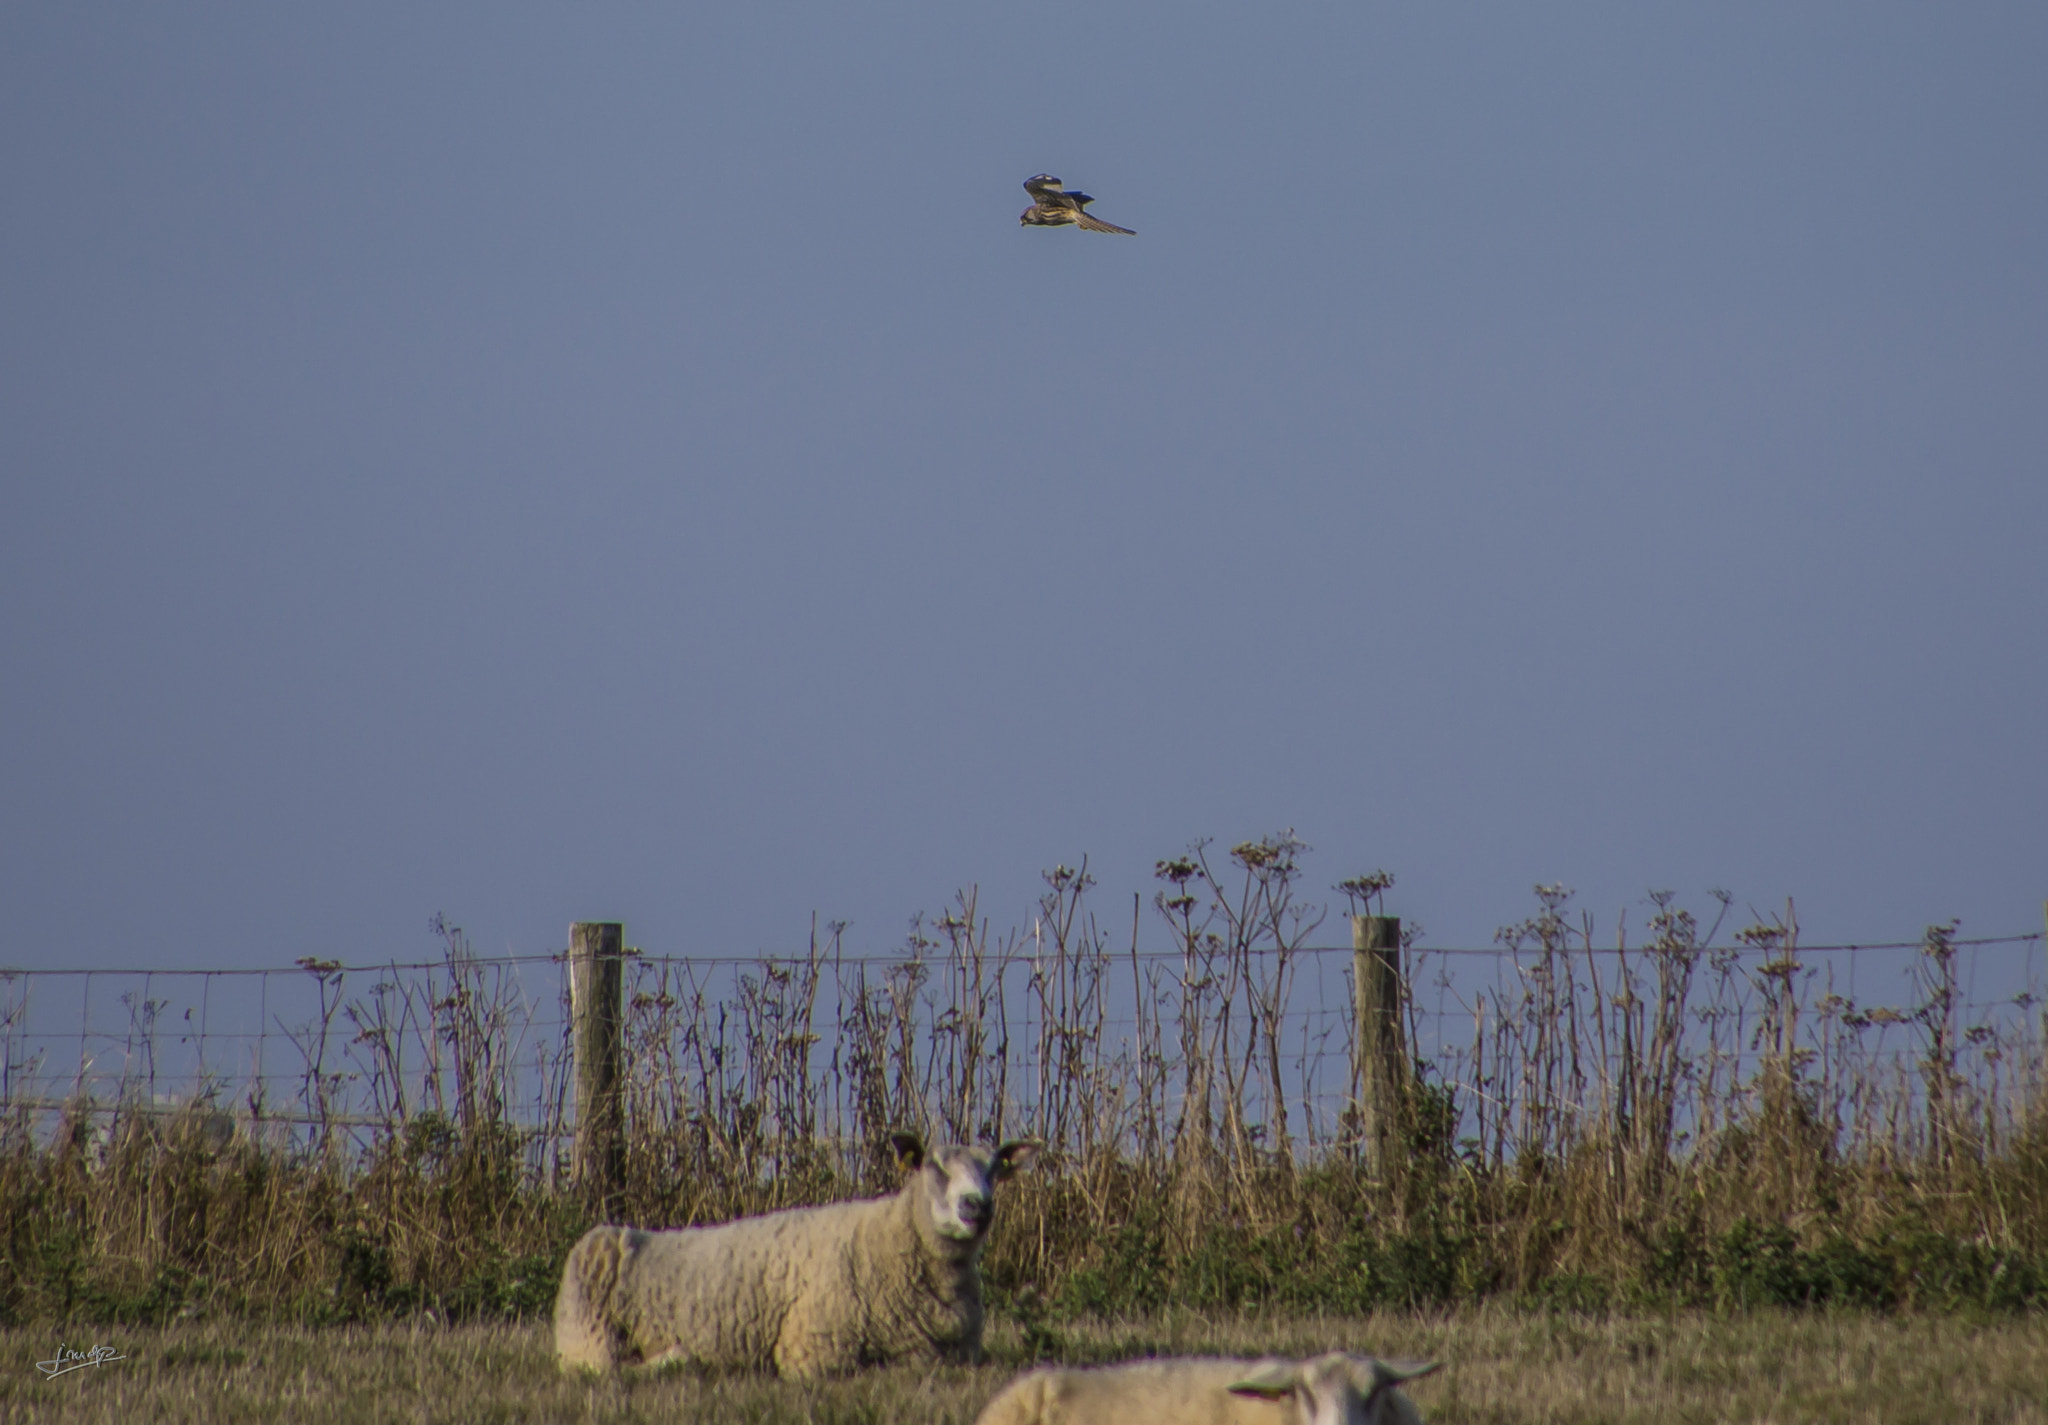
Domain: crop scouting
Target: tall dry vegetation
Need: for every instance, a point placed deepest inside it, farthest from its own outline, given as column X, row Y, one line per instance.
column 1673, row 1120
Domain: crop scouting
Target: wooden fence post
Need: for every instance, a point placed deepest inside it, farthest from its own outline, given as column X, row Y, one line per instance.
column 1381, row 1072
column 597, row 986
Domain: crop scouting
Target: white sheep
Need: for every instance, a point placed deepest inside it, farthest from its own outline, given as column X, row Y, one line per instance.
column 812, row 1291
column 1332, row 1389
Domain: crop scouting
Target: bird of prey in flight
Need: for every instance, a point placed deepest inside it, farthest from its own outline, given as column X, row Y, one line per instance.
column 1053, row 206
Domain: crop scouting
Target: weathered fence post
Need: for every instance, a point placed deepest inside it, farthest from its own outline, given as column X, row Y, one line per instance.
column 597, row 985
column 1380, row 1074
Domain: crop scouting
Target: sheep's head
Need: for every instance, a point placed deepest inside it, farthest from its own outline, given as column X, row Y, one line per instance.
column 957, row 1185
column 1339, row 1389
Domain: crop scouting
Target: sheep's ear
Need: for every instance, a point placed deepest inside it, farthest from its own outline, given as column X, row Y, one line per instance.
column 1395, row 1372
column 1371, row 1374
column 1269, row 1379
column 909, row 1150
column 1016, row 1155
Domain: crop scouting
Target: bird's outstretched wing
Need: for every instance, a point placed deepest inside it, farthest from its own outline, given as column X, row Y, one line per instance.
column 1044, row 187
column 1090, row 223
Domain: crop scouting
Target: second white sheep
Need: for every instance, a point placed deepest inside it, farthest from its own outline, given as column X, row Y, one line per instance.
column 1332, row 1389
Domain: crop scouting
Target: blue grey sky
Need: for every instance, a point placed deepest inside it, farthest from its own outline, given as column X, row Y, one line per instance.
column 547, row 463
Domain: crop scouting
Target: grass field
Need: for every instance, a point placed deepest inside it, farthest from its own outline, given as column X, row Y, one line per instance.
column 1685, row 1183
column 1499, row 1366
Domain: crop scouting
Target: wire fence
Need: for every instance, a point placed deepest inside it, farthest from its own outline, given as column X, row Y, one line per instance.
column 1246, row 1042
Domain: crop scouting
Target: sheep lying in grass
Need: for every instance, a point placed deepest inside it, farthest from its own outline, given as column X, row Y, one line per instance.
column 809, row 1292
column 1333, row 1389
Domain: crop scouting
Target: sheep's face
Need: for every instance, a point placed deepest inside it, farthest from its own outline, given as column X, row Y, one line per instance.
column 958, row 1185
column 1338, row 1389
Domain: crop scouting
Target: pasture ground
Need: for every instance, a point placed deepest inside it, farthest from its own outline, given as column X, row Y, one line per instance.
column 1500, row 1366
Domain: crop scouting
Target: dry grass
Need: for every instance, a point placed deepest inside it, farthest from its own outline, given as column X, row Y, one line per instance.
column 1500, row 1368
column 1684, row 1120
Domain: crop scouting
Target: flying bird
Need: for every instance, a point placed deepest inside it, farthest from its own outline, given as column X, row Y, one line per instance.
column 1053, row 206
